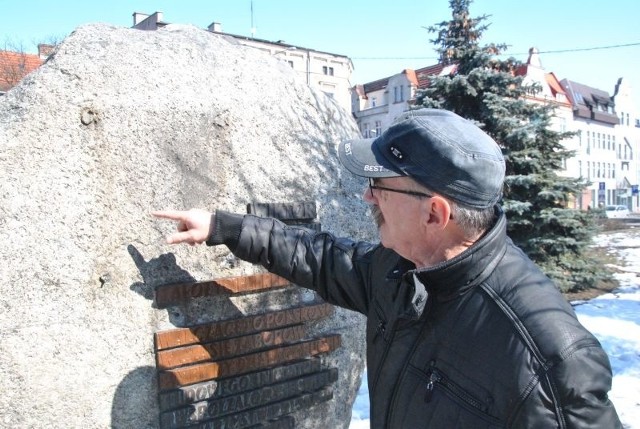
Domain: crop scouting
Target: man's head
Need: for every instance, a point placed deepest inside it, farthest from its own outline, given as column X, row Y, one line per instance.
column 439, row 150
column 429, row 168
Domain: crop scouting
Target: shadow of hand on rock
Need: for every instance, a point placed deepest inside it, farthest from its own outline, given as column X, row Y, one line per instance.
column 156, row 272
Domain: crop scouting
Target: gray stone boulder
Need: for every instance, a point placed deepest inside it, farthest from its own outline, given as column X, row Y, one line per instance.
column 117, row 123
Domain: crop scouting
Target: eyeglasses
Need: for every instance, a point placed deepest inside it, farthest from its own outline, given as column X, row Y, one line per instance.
column 373, row 186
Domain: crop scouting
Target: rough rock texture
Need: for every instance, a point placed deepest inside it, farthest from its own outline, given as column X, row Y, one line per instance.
column 119, row 122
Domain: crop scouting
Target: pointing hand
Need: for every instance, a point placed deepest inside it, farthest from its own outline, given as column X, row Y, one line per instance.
column 194, row 226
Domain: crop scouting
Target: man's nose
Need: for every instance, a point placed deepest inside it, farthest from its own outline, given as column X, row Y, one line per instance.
column 367, row 195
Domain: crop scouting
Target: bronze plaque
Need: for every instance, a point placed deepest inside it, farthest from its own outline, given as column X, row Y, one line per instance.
column 177, row 293
column 300, row 211
column 207, row 410
column 242, row 326
column 225, row 349
column 268, row 412
column 230, row 386
column 173, row 378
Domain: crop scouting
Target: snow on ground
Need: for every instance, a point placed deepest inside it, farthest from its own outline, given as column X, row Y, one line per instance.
column 614, row 318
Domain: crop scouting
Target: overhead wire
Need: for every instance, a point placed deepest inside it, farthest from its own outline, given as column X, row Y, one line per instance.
column 556, row 51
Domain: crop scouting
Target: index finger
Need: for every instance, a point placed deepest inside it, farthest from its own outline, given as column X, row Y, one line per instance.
column 170, row 214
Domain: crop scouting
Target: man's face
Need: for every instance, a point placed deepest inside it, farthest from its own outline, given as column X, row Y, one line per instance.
column 396, row 215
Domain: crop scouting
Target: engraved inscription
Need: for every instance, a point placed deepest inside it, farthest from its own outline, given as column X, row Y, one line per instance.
column 237, row 327
column 172, row 378
column 261, row 414
column 237, row 403
column 172, row 294
column 285, row 422
column 228, row 348
column 231, row 386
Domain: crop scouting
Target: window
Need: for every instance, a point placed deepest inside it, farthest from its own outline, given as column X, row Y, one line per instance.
column 563, row 124
column 378, row 128
column 327, row 70
column 579, row 168
column 365, row 130
column 398, row 94
column 374, row 101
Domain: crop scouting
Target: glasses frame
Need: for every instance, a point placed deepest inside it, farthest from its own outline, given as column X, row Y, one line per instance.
column 417, row 194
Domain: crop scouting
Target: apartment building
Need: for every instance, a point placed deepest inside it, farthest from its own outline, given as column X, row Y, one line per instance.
column 375, row 105
column 598, row 146
column 328, row 72
column 607, row 127
column 627, row 192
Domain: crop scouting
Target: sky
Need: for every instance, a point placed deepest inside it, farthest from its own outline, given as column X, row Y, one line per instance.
column 614, row 318
column 591, row 42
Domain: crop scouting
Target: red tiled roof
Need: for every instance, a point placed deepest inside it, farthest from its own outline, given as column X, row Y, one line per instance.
column 424, row 73
column 554, row 84
column 418, row 77
column 411, row 76
column 14, row 66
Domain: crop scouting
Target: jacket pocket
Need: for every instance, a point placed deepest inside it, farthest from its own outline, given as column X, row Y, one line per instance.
column 431, row 399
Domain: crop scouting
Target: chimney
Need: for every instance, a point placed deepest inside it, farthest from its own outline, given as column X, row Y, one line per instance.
column 215, row 27
column 139, row 17
column 45, row 50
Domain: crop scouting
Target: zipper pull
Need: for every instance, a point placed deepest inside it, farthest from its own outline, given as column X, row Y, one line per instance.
column 380, row 328
column 433, row 379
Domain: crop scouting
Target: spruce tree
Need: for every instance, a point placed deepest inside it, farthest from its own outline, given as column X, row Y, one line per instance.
column 486, row 89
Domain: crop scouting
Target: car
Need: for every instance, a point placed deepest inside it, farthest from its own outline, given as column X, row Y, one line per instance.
column 616, row 211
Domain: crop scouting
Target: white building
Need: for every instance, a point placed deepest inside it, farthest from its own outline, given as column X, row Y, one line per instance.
column 607, row 128
column 325, row 71
column 375, row 105
column 628, row 146
column 606, row 149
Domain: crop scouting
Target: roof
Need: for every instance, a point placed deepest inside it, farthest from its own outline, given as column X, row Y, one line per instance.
column 419, row 77
column 424, row 73
column 586, row 100
column 14, row 66
column 376, row 85
column 554, row 84
column 276, row 43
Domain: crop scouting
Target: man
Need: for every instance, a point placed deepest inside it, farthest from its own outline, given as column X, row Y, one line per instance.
column 463, row 330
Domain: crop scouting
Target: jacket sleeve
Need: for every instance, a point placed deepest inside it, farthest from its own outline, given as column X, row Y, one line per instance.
column 338, row 269
column 573, row 393
column 583, row 380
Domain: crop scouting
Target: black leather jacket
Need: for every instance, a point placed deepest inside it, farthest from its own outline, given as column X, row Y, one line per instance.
column 481, row 341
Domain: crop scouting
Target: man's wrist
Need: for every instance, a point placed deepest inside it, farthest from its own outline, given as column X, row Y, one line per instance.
column 225, row 229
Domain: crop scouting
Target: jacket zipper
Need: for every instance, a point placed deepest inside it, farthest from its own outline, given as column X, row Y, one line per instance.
column 436, row 378
column 405, row 366
column 381, row 329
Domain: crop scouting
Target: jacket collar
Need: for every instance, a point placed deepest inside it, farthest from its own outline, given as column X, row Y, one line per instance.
column 455, row 276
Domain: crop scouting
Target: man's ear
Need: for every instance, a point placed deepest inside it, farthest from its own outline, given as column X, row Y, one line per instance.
column 437, row 211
